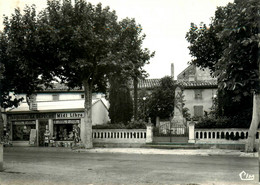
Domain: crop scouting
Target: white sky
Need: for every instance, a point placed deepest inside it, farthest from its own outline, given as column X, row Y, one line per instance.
column 165, row 23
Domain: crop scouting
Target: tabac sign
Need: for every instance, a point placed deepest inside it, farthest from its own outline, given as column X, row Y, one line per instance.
column 67, row 115
column 31, row 116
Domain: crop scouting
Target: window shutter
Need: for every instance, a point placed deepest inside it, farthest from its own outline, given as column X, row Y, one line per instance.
column 198, row 94
column 198, row 111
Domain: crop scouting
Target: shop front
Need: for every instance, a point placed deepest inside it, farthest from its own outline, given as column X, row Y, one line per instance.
column 29, row 129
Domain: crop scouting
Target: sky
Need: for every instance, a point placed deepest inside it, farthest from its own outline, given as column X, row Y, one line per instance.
column 165, row 23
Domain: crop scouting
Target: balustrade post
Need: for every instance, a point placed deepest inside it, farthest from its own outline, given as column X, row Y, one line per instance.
column 191, row 132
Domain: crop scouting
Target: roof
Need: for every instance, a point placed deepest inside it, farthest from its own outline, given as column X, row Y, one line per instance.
column 152, row 83
column 198, row 84
column 148, row 83
column 187, row 71
column 52, row 106
column 58, row 87
column 142, row 84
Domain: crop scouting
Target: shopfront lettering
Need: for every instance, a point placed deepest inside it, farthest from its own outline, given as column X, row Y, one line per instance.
column 70, row 115
column 31, row 116
column 61, row 115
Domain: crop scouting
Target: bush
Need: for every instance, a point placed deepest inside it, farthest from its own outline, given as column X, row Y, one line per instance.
column 223, row 122
column 140, row 124
column 109, row 126
column 129, row 125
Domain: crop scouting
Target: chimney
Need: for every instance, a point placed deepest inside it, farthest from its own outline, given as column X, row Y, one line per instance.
column 172, row 70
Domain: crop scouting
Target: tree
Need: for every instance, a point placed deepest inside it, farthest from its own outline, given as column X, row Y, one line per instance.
column 233, row 38
column 20, row 56
column 161, row 101
column 132, row 37
column 130, row 41
column 121, row 103
column 91, row 46
column 80, row 44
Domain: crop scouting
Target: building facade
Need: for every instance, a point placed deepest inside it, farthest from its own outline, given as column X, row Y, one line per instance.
column 199, row 90
column 57, row 109
column 198, row 87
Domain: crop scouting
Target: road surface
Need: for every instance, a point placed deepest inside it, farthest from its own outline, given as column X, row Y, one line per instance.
column 24, row 166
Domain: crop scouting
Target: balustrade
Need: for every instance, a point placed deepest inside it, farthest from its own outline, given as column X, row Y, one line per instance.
column 222, row 134
column 119, row 134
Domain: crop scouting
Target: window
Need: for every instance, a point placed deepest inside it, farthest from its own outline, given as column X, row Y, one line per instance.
column 22, row 129
column 198, row 94
column 63, row 129
column 55, row 97
column 198, row 111
column 82, row 96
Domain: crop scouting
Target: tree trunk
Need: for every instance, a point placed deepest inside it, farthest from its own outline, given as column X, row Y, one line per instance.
column 1, row 139
column 87, row 125
column 135, row 97
column 249, row 147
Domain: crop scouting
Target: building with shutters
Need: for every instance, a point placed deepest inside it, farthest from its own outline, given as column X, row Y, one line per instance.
column 199, row 88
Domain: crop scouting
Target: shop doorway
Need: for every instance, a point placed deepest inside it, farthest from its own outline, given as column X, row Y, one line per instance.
column 42, row 128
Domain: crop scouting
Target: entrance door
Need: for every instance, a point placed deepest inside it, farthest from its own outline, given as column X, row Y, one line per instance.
column 42, row 128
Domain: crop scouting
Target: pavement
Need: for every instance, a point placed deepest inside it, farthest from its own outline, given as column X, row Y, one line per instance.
column 196, row 152
column 144, row 151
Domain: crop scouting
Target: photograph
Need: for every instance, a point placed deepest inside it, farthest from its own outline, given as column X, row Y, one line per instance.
column 129, row 92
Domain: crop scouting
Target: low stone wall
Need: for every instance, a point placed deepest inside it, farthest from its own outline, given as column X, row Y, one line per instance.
column 119, row 135
column 218, row 135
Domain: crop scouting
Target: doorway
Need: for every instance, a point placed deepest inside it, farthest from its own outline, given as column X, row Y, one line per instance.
column 42, row 128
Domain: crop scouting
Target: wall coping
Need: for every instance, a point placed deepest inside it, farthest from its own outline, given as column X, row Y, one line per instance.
column 228, row 129
column 119, row 130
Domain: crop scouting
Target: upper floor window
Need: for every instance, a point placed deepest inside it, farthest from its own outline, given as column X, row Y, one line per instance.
column 198, row 94
column 55, row 97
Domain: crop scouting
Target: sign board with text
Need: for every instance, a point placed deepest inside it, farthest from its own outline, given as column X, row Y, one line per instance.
column 69, row 115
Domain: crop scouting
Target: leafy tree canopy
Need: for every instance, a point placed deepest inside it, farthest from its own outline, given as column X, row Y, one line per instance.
column 230, row 46
column 80, row 43
column 121, row 102
column 161, row 101
column 22, row 55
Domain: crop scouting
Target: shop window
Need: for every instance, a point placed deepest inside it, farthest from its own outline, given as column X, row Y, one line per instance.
column 198, row 94
column 63, row 129
column 22, row 129
column 55, row 97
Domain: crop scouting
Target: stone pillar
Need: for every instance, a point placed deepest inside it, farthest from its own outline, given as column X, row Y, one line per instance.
column 51, row 126
column 1, row 157
column 191, row 132
column 149, row 132
column 37, row 132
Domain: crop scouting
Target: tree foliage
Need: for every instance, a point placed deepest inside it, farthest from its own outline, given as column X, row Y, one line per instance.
column 121, row 102
column 161, row 101
column 234, row 32
column 22, row 57
column 229, row 46
column 80, row 43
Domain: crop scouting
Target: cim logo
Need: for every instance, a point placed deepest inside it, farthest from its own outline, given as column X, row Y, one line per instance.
column 246, row 176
